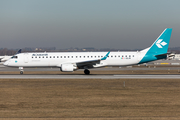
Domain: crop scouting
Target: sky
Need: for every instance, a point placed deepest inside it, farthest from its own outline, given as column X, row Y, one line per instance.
column 119, row 24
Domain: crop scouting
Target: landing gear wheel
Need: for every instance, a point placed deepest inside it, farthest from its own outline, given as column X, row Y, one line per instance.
column 87, row 72
column 21, row 72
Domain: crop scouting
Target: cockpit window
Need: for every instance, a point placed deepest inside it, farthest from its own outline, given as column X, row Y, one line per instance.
column 14, row 57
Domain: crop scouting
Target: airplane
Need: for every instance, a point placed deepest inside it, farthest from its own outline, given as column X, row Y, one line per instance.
column 5, row 58
column 71, row 61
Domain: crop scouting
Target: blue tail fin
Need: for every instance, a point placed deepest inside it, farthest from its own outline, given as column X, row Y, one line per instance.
column 159, row 48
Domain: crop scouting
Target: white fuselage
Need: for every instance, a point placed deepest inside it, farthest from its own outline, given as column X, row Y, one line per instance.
column 56, row 59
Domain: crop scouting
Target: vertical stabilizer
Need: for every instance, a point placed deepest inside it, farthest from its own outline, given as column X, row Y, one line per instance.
column 159, row 48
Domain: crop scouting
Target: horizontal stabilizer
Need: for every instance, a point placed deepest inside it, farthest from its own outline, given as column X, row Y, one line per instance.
column 162, row 54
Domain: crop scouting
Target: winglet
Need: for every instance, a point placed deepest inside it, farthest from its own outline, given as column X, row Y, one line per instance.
column 104, row 58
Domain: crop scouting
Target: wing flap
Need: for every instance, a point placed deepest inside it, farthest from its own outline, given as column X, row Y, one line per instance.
column 88, row 64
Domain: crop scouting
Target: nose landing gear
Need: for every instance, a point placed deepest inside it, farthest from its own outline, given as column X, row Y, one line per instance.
column 21, row 70
column 86, row 71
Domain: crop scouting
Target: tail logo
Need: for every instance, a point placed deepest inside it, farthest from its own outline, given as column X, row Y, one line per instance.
column 160, row 43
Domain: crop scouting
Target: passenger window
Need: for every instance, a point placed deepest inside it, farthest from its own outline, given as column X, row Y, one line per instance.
column 71, row 56
column 57, row 56
column 47, row 57
column 64, row 56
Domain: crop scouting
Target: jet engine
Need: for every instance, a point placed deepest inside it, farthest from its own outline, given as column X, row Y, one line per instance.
column 67, row 68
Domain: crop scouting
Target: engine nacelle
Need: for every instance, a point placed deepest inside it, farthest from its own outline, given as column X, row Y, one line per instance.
column 67, row 68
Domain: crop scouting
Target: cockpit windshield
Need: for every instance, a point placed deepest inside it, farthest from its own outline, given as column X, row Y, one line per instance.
column 14, row 57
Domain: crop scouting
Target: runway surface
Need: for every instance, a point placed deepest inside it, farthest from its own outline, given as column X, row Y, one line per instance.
column 3, row 68
column 95, row 74
column 89, row 76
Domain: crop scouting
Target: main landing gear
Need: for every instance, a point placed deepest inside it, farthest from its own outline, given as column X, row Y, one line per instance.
column 86, row 71
column 21, row 70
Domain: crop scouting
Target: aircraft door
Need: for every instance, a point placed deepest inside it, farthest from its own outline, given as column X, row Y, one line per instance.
column 26, row 59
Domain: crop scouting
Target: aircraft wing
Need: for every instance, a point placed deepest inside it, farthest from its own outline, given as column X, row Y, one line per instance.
column 87, row 63
column 1, row 59
column 4, row 58
column 90, row 63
